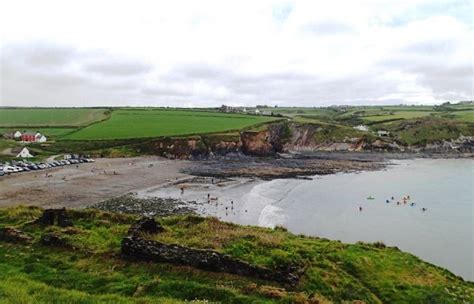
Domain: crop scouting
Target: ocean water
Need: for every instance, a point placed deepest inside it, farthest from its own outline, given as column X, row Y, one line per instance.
column 328, row 207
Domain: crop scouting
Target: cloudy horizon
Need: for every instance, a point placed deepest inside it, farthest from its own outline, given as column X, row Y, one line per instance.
column 242, row 53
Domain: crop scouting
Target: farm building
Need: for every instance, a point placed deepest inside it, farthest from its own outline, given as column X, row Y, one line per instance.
column 22, row 152
column 28, row 137
column 33, row 137
column 17, row 135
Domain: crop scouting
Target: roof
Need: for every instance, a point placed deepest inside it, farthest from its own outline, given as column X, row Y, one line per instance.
column 17, row 149
column 29, row 133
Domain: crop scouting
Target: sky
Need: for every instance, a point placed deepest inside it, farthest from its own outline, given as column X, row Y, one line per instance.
column 241, row 53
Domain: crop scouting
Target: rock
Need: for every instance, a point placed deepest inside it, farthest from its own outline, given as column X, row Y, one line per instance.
column 136, row 248
column 257, row 143
column 147, row 225
column 153, row 206
column 63, row 218
column 47, row 218
column 53, row 239
column 52, row 216
column 14, row 235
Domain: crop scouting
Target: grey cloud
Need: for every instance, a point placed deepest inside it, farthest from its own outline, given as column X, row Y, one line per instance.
column 48, row 74
column 287, row 88
column 117, row 68
column 39, row 54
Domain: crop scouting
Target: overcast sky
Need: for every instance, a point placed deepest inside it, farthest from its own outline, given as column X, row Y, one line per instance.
column 208, row 53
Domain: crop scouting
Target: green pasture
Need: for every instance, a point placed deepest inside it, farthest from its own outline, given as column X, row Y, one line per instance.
column 49, row 117
column 127, row 123
column 397, row 115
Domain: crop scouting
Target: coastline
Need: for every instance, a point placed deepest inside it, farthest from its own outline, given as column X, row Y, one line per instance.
column 270, row 203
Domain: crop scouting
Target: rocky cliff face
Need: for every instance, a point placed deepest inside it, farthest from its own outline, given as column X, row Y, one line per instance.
column 284, row 137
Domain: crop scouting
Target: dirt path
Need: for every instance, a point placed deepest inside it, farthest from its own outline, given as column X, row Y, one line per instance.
column 78, row 186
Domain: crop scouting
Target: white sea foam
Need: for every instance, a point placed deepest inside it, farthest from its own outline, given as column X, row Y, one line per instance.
column 271, row 216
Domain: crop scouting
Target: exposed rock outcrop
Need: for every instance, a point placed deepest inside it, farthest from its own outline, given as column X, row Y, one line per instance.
column 136, row 248
column 146, row 225
column 51, row 217
column 257, row 143
column 14, row 235
column 53, row 239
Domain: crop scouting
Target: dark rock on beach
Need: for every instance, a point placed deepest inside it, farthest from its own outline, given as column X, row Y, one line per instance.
column 146, row 206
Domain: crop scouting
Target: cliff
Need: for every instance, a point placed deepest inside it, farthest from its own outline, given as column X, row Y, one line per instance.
column 295, row 137
column 102, row 257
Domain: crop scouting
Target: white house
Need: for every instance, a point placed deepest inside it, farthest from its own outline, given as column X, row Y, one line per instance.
column 17, row 134
column 24, row 153
column 362, row 128
column 383, row 133
column 257, row 112
column 41, row 139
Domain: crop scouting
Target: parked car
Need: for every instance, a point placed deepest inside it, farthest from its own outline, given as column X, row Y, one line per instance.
column 10, row 169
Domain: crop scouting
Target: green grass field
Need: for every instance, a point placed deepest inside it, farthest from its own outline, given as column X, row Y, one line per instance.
column 49, row 117
column 464, row 115
column 127, row 123
column 94, row 272
column 397, row 115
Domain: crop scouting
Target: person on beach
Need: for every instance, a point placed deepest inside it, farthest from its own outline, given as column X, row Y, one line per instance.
column 360, row 208
column 423, row 209
column 182, row 190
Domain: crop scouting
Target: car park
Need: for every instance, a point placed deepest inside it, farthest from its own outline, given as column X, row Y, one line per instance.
column 25, row 166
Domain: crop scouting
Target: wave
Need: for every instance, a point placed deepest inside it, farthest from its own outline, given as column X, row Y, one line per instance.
column 271, row 216
column 262, row 200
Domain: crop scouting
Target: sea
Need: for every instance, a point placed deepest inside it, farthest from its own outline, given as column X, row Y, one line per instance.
column 422, row 206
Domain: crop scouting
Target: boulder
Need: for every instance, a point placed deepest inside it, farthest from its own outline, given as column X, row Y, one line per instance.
column 50, row 217
column 14, row 235
column 53, row 239
column 147, row 225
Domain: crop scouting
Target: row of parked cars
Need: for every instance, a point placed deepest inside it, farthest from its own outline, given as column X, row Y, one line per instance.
column 22, row 166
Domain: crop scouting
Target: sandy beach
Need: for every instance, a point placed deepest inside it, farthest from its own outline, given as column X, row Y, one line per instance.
column 77, row 186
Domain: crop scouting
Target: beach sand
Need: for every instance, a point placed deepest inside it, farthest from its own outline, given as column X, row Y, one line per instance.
column 72, row 187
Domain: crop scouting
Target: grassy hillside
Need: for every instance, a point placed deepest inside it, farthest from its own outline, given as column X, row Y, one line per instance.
column 50, row 117
column 89, row 268
column 128, row 123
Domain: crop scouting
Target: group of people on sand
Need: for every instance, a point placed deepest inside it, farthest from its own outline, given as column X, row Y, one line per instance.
column 216, row 199
column 405, row 200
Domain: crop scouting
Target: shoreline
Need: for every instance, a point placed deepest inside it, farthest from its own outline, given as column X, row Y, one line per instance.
column 264, row 203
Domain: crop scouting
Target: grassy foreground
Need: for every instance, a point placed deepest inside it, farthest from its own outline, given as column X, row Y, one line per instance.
column 90, row 269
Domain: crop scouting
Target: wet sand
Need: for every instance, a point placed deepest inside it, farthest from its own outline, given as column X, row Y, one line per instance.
column 88, row 183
